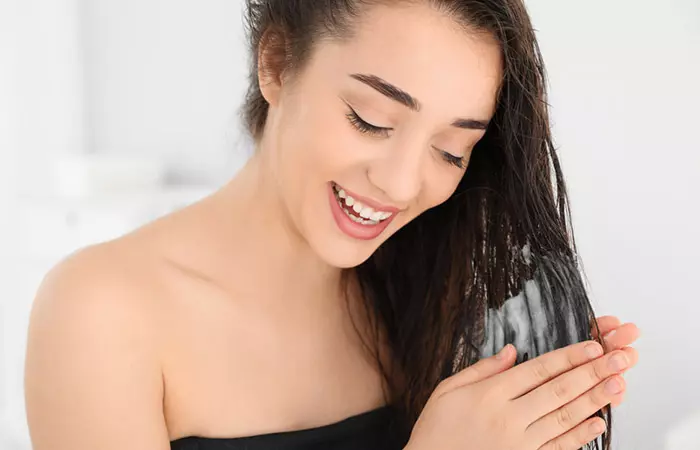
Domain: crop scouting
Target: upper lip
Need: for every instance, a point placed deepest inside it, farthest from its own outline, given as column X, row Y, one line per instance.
column 375, row 205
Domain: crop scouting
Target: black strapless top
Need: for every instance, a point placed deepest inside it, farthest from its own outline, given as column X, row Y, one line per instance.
column 371, row 430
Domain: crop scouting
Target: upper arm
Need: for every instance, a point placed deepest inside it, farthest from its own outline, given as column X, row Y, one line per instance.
column 92, row 373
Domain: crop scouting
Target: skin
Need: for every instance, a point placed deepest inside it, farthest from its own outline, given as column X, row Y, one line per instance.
column 542, row 404
column 311, row 142
column 224, row 318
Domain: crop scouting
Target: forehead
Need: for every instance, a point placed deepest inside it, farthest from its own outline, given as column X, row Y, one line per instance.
column 425, row 53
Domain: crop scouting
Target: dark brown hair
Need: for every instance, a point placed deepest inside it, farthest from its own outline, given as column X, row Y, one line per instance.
column 433, row 284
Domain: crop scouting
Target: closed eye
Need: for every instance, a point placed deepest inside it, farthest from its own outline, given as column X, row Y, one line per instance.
column 365, row 127
column 457, row 161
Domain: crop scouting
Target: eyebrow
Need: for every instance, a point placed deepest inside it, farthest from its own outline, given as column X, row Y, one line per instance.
column 399, row 95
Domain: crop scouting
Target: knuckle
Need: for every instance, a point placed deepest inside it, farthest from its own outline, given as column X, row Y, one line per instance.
column 598, row 398
column 583, row 435
column 564, row 418
column 560, row 389
column 540, row 370
column 556, row 444
column 597, row 372
column 572, row 358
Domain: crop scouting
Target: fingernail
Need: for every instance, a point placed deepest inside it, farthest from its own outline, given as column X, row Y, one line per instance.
column 618, row 362
column 597, row 427
column 594, row 350
column 613, row 386
column 502, row 353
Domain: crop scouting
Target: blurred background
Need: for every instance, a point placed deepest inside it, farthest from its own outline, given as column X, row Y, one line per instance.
column 114, row 112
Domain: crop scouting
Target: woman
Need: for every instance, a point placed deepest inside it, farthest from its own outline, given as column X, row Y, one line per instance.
column 345, row 289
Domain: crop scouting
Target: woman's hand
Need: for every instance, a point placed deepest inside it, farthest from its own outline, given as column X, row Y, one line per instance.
column 545, row 403
column 616, row 335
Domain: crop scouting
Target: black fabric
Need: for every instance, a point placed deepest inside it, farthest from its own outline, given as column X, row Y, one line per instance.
column 371, row 430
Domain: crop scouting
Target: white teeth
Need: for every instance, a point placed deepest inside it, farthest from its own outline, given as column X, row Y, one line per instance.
column 359, row 220
column 368, row 216
column 355, row 218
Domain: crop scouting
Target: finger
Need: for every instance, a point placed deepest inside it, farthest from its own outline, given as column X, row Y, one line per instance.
column 621, row 336
column 572, row 414
column 605, row 324
column 527, row 376
column 570, row 385
column 617, row 401
column 633, row 356
column 481, row 370
column 578, row 437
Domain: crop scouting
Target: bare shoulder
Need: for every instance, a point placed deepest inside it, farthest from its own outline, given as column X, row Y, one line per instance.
column 118, row 280
column 92, row 371
column 100, row 285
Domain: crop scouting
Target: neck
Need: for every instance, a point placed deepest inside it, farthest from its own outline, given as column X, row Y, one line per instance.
column 266, row 255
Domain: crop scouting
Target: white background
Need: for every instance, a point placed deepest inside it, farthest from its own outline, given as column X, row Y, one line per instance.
column 149, row 90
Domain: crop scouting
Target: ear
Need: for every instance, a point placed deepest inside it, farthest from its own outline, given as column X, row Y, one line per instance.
column 272, row 63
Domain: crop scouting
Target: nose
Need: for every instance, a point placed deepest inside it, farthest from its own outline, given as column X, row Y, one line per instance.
column 399, row 174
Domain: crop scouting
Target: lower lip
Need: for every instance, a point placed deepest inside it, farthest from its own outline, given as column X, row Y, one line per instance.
column 351, row 228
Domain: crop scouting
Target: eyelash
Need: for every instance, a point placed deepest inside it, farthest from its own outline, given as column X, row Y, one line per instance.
column 367, row 128
column 364, row 127
column 456, row 161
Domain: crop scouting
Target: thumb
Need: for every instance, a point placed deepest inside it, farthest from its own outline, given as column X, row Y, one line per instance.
column 481, row 370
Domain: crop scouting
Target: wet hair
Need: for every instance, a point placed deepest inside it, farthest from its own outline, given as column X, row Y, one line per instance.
column 439, row 288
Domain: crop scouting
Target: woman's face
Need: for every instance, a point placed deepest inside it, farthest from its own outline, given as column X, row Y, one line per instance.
column 378, row 129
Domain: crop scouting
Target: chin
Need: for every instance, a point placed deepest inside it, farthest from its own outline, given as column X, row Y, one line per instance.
column 335, row 247
column 338, row 252
column 345, row 262
column 340, row 237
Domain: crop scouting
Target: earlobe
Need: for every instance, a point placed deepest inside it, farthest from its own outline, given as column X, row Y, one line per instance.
column 271, row 65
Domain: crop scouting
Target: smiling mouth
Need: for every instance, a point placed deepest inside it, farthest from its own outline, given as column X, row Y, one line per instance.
column 356, row 211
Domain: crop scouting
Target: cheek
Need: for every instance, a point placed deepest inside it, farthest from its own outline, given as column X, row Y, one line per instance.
column 316, row 146
column 335, row 147
column 307, row 144
column 439, row 187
